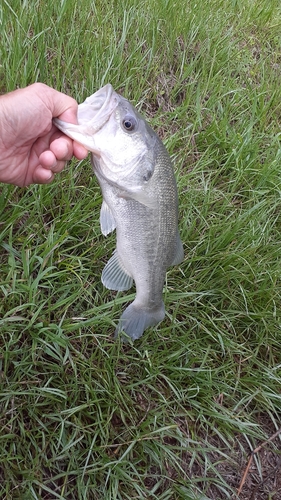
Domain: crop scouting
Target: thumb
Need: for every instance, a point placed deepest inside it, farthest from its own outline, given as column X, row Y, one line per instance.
column 60, row 105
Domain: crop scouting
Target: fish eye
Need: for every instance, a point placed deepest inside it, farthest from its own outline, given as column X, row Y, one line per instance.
column 129, row 123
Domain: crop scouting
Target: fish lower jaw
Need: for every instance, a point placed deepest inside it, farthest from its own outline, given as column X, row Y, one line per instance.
column 135, row 320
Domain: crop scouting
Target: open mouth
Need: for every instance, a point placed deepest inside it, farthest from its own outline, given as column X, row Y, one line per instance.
column 96, row 109
column 93, row 113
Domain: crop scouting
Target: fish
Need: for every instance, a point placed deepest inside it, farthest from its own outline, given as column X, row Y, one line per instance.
column 140, row 202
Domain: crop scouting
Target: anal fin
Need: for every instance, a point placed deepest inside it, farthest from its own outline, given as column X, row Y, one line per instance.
column 114, row 276
column 179, row 253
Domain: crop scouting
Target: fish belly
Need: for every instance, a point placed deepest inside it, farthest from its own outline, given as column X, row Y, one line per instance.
column 140, row 257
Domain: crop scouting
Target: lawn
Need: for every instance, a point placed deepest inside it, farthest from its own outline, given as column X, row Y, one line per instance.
column 177, row 414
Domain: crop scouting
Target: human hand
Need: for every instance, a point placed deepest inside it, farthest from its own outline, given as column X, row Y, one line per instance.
column 32, row 149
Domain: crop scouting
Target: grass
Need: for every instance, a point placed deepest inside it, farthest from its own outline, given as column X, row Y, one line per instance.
column 176, row 415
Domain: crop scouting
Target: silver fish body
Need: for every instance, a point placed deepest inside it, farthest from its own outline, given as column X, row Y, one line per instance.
column 140, row 200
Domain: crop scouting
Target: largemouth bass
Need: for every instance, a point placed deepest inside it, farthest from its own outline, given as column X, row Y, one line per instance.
column 140, row 201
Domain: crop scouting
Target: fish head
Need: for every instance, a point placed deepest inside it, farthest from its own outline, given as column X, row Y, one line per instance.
column 120, row 140
column 125, row 147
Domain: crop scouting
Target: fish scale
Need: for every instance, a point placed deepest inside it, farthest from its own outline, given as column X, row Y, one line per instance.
column 140, row 200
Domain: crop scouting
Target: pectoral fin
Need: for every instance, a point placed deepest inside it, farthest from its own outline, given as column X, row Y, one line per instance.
column 107, row 221
column 141, row 196
column 114, row 276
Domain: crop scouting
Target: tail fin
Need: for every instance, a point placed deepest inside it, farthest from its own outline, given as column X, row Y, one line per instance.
column 135, row 320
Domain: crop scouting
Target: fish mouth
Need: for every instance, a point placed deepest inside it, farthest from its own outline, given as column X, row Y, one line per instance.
column 97, row 108
column 92, row 114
